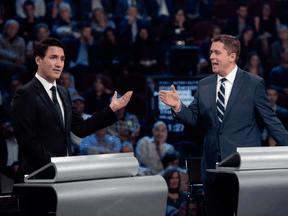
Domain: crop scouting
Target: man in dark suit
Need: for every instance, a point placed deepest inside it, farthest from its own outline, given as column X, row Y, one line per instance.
column 229, row 109
column 43, row 116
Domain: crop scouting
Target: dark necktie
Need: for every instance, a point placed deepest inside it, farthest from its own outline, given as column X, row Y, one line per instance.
column 55, row 102
column 221, row 101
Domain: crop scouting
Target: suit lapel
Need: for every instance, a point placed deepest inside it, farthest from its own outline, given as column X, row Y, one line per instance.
column 65, row 102
column 238, row 82
column 212, row 95
column 46, row 99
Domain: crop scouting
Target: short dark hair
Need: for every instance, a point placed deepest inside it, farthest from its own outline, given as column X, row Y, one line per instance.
column 231, row 44
column 26, row 3
column 170, row 156
column 242, row 4
column 41, row 48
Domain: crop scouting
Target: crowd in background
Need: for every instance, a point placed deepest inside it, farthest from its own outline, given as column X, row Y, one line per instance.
column 112, row 43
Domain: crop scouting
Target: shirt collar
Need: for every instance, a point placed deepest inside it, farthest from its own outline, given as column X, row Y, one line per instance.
column 47, row 85
column 230, row 77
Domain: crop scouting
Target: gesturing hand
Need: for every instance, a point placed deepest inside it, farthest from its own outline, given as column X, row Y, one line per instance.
column 170, row 98
column 118, row 103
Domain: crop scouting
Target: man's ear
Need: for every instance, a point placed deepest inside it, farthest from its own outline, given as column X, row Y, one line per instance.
column 233, row 57
column 37, row 60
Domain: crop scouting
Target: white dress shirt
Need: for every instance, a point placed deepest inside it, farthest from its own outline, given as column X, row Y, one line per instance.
column 228, row 84
column 12, row 152
column 47, row 86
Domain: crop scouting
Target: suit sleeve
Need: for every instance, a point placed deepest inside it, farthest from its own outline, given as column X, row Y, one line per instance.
column 272, row 123
column 24, row 118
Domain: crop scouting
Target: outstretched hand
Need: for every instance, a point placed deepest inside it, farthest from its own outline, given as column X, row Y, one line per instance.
column 170, row 98
column 118, row 103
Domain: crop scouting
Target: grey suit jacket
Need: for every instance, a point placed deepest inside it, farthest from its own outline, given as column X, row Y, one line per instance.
column 247, row 103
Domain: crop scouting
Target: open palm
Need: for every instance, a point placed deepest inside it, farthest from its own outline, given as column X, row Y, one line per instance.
column 170, row 98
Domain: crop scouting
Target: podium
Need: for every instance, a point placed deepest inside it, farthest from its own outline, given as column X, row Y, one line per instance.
column 100, row 185
column 261, row 174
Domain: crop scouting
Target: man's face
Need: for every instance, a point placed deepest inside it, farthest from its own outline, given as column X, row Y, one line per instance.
column 282, row 34
column 15, row 85
column 192, row 209
column 143, row 34
column 86, row 32
column 29, row 10
column 272, row 96
column 254, row 61
column 174, row 163
column 65, row 80
column 220, row 59
column 6, row 130
column 64, row 13
column 111, row 36
column 42, row 33
column 174, row 181
column 160, row 134
column 242, row 12
column 51, row 66
column 12, row 30
column 79, row 105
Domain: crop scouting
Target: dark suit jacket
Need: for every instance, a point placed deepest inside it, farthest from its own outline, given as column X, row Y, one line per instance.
column 232, row 25
column 247, row 102
column 39, row 131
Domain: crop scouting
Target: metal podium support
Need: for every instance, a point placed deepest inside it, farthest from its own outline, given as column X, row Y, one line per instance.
column 262, row 178
column 100, row 185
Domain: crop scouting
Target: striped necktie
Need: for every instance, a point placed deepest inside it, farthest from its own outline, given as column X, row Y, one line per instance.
column 221, row 101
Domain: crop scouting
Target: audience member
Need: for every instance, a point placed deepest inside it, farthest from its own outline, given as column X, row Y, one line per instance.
column 87, row 6
column 247, row 42
column 278, row 76
column 14, row 84
column 67, row 81
column 126, row 128
column 82, row 54
column 98, row 96
column 131, row 23
column 52, row 9
column 279, row 45
column 28, row 23
column 126, row 147
column 146, row 56
column 113, row 55
column 202, row 10
column 100, row 22
column 100, row 143
column 39, row 8
column 204, row 62
column 178, row 29
column 159, row 11
column 176, row 198
column 236, row 25
column 9, row 149
column 40, row 32
column 253, row 64
column 64, row 25
column 12, row 51
column 151, row 150
column 281, row 113
column 193, row 209
column 122, row 6
column 2, row 17
column 79, row 104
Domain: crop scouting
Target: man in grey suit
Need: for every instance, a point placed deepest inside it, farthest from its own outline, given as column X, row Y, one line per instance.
column 229, row 104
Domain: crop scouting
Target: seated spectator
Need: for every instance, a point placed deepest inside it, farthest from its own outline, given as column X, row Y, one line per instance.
column 39, row 8
column 12, row 52
column 253, row 64
column 99, row 23
column 204, row 62
column 40, row 32
column 100, row 143
column 87, row 6
column 178, row 29
column 279, row 45
column 281, row 113
column 146, row 56
column 97, row 98
column 122, row 6
column 151, row 150
column 126, row 147
column 9, row 149
column 278, row 76
column 202, row 10
column 126, row 128
column 28, row 23
column 64, row 25
column 66, row 80
column 79, row 104
column 236, row 25
column 247, row 42
column 14, row 84
column 159, row 11
column 171, row 158
column 82, row 54
column 193, row 209
column 113, row 55
column 128, row 28
column 2, row 17
column 176, row 198
column 52, row 9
